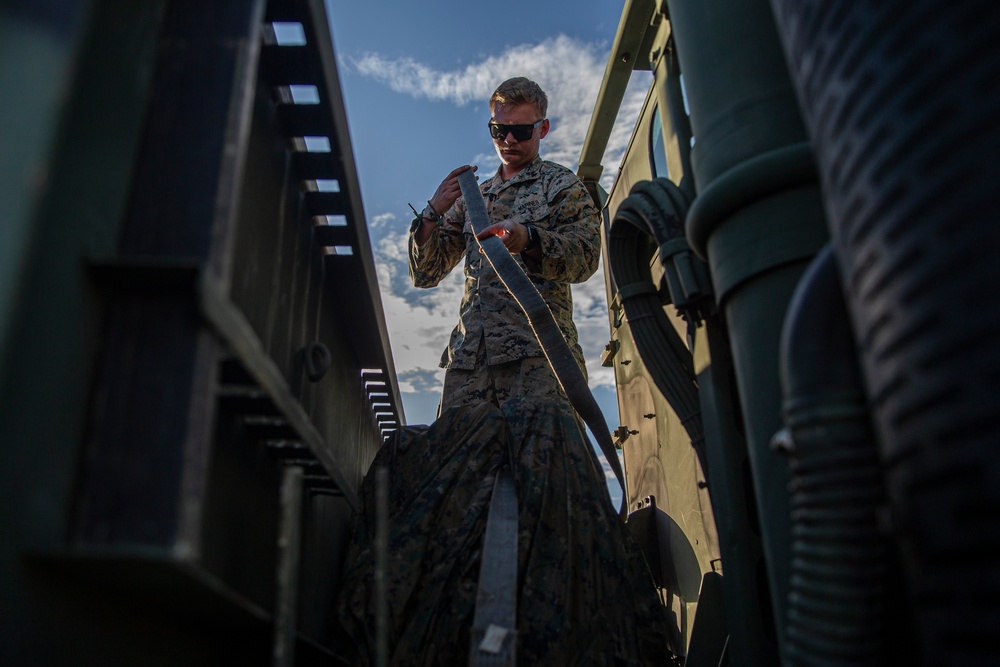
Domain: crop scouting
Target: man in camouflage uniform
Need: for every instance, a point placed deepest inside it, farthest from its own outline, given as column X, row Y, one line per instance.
column 546, row 219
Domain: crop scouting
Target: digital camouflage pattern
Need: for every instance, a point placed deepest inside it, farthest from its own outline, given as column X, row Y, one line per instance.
column 497, row 384
column 547, row 196
column 585, row 596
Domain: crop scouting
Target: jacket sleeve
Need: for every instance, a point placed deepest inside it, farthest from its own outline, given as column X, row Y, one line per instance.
column 432, row 261
column 571, row 236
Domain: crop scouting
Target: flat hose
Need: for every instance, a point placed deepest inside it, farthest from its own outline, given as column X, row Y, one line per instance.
column 554, row 345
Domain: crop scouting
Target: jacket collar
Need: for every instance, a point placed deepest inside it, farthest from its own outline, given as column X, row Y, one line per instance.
column 531, row 172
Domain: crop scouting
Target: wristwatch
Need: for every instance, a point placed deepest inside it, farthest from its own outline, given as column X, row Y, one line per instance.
column 533, row 239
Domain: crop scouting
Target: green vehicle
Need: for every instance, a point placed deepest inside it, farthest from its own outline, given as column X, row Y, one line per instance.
column 808, row 416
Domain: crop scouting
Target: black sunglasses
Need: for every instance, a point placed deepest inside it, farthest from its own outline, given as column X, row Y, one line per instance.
column 520, row 132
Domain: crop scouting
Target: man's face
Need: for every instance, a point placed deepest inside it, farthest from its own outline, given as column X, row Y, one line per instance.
column 516, row 155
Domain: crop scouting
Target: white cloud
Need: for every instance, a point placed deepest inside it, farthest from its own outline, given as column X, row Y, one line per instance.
column 382, row 220
column 419, row 321
column 568, row 69
column 590, row 313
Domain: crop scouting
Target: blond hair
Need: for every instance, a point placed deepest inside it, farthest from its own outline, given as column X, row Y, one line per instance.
column 516, row 91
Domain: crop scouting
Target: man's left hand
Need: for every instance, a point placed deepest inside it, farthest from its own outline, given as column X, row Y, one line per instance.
column 513, row 234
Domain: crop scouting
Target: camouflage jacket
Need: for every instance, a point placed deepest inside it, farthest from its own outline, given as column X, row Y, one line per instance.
column 547, row 196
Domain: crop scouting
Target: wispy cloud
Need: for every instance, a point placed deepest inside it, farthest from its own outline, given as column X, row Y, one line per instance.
column 569, row 70
column 590, row 313
column 419, row 320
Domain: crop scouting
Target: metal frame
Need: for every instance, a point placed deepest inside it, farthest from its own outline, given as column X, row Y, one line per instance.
column 205, row 475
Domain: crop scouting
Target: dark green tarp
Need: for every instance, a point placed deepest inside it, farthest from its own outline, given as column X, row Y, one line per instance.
column 585, row 596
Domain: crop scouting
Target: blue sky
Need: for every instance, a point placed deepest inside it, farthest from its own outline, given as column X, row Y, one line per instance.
column 416, row 78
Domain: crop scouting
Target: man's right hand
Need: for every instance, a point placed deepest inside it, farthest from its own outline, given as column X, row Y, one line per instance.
column 442, row 201
column 449, row 190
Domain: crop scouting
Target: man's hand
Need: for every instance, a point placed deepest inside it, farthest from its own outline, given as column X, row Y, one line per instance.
column 449, row 190
column 513, row 234
column 442, row 201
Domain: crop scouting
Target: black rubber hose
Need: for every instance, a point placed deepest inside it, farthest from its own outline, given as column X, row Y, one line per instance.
column 840, row 559
column 901, row 98
column 650, row 212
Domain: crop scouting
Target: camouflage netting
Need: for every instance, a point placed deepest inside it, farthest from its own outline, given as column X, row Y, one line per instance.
column 584, row 593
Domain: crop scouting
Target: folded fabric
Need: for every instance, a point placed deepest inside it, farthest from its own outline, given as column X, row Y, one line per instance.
column 584, row 593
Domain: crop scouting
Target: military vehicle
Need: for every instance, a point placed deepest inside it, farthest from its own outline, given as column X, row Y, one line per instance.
column 195, row 370
column 803, row 329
